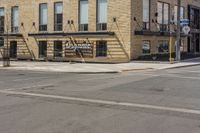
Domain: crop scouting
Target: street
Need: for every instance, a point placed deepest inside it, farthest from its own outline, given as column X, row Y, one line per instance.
column 146, row 101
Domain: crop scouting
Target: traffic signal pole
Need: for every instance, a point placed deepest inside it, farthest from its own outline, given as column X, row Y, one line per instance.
column 178, row 33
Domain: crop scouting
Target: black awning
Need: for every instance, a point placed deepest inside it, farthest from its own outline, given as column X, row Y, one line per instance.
column 11, row 35
column 72, row 34
column 157, row 33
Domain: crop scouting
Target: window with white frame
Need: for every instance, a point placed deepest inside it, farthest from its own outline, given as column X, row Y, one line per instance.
column 15, row 19
column 163, row 16
column 83, row 15
column 101, row 15
column 146, row 14
column 176, row 14
column 2, row 19
column 43, row 17
column 58, row 16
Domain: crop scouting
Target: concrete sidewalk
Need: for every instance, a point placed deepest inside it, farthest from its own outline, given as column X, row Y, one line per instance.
column 95, row 68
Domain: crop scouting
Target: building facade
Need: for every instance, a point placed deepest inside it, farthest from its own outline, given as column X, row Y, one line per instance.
column 94, row 30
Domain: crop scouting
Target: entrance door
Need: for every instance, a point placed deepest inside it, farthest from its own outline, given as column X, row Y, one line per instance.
column 58, row 49
column 13, row 49
column 42, row 49
column 197, row 43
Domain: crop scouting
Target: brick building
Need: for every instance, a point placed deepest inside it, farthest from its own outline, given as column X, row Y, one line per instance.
column 94, row 30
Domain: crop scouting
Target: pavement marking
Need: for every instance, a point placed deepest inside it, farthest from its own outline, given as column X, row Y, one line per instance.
column 106, row 102
column 22, row 79
column 29, row 87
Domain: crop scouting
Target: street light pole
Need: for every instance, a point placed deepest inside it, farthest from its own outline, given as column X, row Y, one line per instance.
column 178, row 33
column 6, row 49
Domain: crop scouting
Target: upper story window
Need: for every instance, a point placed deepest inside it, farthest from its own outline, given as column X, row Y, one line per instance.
column 15, row 19
column 163, row 16
column 194, row 18
column 146, row 14
column 83, row 15
column 2, row 19
column 101, row 15
column 182, row 14
column 58, row 16
column 43, row 18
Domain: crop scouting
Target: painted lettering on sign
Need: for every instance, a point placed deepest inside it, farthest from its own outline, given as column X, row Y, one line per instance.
column 78, row 45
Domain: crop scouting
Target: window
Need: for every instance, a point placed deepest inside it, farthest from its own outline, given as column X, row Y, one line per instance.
column 194, row 18
column 146, row 48
column 1, row 41
column 146, row 14
column 101, row 15
column 43, row 18
column 42, row 49
column 175, row 14
column 163, row 16
column 58, row 16
column 163, row 46
column 2, row 19
column 15, row 19
column 58, row 49
column 101, row 48
column 83, row 15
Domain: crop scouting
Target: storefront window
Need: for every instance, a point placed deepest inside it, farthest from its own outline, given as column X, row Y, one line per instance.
column 83, row 18
column 15, row 19
column 1, row 41
column 58, row 16
column 146, row 48
column 43, row 18
column 163, row 46
column 101, row 48
column 102, row 15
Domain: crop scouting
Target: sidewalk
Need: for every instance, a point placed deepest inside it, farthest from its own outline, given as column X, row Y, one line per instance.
column 95, row 68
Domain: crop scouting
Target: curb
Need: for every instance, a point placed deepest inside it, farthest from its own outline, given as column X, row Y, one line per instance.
column 100, row 72
column 182, row 66
column 130, row 70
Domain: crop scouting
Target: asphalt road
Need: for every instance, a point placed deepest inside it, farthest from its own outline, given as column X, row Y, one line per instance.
column 166, row 101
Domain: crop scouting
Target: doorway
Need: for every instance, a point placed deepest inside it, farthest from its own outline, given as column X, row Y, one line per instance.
column 13, row 49
column 42, row 49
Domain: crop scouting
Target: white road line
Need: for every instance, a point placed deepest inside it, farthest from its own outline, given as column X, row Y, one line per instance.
column 28, row 87
column 105, row 102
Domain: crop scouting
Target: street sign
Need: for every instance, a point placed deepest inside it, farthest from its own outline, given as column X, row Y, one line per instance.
column 184, row 22
column 186, row 30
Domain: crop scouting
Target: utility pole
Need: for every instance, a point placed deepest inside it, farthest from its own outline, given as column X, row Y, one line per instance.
column 6, row 61
column 178, row 33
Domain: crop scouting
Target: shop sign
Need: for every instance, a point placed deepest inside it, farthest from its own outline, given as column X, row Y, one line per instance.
column 78, row 45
